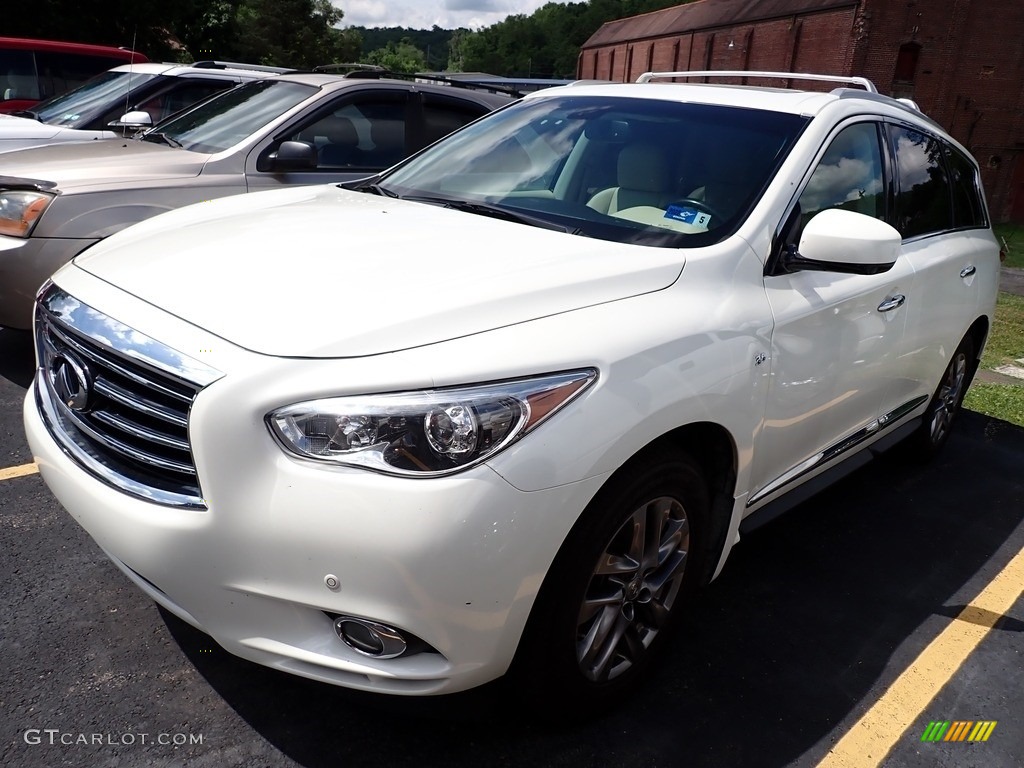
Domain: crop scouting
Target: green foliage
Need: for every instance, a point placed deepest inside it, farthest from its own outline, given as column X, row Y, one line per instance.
column 303, row 33
column 1011, row 240
column 398, row 57
column 295, row 33
column 1005, row 345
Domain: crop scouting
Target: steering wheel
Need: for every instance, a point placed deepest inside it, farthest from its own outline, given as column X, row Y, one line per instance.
column 700, row 205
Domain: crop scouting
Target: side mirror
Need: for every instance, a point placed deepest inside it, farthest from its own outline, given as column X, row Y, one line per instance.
column 843, row 241
column 136, row 120
column 290, row 156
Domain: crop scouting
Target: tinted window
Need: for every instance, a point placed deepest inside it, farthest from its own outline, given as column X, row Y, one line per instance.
column 183, row 93
column 968, row 205
column 60, row 72
column 923, row 197
column 367, row 132
column 442, row 116
column 848, row 176
column 18, row 76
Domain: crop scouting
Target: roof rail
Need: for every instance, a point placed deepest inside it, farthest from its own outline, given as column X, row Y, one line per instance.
column 374, row 72
column 348, row 67
column 211, row 64
column 863, row 82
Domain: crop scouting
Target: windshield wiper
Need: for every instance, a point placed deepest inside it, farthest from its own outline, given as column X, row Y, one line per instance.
column 373, row 187
column 28, row 113
column 494, row 211
column 162, row 137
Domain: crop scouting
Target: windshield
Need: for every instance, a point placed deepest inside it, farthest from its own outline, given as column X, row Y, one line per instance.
column 230, row 117
column 645, row 171
column 91, row 98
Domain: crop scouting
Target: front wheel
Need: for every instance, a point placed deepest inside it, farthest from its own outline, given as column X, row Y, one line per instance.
column 615, row 590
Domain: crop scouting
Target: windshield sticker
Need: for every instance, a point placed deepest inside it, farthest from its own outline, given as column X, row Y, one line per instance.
column 688, row 215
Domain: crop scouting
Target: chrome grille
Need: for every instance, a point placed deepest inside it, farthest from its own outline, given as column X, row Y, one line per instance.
column 118, row 401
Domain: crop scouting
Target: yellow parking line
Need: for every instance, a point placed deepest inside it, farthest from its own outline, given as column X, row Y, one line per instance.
column 24, row 469
column 872, row 737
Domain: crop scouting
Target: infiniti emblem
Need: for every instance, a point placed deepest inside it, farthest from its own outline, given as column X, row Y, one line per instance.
column 71, row 381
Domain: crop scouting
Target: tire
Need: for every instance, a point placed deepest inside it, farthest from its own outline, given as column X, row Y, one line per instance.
column 614, row 593
column 945, row 404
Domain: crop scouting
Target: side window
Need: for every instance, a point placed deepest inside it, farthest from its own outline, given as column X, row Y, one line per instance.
column 923, row 195
column 968, row 203
column 441, row 116
column 848, row 176
column 18, row 76
column 60, row 72
column 361, row 133
column 183, row 93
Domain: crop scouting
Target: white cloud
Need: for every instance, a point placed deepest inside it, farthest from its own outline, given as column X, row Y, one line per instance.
column 447, row 14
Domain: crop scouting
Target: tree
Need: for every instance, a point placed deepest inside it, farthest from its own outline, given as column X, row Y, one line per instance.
column 398, row 57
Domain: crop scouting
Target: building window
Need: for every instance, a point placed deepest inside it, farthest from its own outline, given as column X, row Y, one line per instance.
column 906, row 63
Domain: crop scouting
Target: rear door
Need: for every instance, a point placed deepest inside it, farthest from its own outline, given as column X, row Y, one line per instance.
column 940, row 214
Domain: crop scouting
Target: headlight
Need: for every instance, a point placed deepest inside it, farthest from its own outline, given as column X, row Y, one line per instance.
column 426, row 433
column 20, row 209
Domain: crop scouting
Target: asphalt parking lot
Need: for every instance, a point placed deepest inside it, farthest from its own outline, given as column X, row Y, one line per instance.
column 835, row 636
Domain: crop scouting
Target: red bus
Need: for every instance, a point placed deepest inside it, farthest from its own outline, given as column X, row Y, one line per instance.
column 33, row 70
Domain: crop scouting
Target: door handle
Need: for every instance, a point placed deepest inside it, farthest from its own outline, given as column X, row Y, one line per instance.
column 891, row 303
column 968, row 271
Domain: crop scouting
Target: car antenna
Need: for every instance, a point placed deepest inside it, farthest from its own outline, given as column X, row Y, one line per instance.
column 131, row 71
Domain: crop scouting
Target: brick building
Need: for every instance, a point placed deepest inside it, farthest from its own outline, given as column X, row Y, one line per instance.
column 962, row 61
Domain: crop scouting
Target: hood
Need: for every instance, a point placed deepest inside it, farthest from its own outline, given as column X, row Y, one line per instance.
column 99, row 164
column 324, row 272
column 21, row 132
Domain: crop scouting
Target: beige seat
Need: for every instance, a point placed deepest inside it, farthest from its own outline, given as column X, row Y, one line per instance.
column 644, row 180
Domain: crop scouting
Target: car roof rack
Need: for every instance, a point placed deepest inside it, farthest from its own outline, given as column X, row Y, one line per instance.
column 211, row 64
column 347, row 67
column 863, row 82
column 374, row 72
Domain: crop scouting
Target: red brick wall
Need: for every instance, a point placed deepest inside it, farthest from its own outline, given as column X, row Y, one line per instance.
column 969, row 77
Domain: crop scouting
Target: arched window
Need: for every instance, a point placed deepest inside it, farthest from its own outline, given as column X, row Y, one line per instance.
column 906, row 63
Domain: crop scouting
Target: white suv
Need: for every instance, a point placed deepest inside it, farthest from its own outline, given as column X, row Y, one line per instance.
column 504, row 405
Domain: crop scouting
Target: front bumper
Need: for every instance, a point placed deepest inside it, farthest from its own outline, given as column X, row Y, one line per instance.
column 455, row 561
column 25, row 264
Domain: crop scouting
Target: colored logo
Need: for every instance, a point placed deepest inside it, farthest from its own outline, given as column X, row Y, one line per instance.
column 959, row 730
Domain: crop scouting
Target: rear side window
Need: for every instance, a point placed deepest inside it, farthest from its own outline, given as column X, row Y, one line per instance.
column 441, row 116
column 923, row 199
column 60, row 72
column 18, row 76
column 968, row 204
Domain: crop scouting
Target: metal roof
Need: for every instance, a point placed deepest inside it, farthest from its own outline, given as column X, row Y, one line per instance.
column 705, row 14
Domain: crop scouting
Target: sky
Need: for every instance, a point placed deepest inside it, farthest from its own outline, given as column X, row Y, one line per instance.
column 424, row 14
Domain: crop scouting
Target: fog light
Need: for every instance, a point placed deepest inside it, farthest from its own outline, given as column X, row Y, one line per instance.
column 370, row 638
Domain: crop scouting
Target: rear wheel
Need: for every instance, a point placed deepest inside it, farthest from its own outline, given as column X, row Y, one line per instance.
column 945, row 403
column 615, row 591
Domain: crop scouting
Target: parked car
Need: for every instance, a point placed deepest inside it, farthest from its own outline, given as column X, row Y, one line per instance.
column 58, row 200
column 503, row 406
column 122, row 101
column 33, row 70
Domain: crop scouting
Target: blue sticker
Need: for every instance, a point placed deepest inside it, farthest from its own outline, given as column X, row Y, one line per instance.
column 688, row 215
